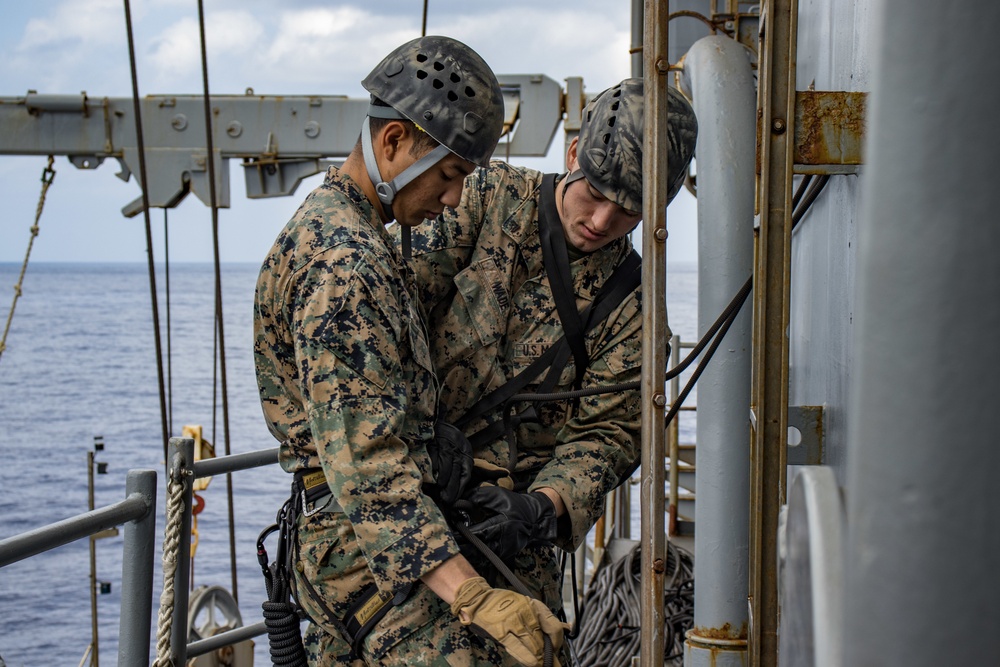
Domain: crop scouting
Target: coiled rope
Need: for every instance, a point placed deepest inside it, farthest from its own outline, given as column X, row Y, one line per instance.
column 48, row 174
column 171, row 549
column 609, row 627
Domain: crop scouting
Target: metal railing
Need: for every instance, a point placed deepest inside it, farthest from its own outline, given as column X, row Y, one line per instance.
column 138, row 514
column 184, row 470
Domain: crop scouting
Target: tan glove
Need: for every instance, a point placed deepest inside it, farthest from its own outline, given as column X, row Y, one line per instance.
column 491, row 474
column 518, row 622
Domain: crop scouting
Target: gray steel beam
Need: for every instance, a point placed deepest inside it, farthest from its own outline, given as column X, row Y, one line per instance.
column 922, row 496
column 280, row 139
column 719, row 75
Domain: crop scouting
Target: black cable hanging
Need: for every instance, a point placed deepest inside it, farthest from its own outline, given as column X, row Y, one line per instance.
column 136, row 107
column 170, row 368
column 220, row 329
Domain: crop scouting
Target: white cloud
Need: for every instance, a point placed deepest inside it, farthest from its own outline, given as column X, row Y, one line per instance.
column 72, row 24
column 556, row 42
column 175, row 54
column 331, row 50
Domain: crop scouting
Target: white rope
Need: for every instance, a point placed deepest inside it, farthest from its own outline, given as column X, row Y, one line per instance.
column 48, row 174
column 171, row 548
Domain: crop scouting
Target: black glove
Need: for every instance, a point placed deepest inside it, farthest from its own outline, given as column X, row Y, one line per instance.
column 451, row 463
column 519, row 519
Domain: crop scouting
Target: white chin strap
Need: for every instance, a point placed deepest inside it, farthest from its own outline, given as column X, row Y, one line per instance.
column 386, row 192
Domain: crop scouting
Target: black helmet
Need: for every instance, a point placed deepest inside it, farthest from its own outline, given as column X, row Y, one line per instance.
column 610, row 146
column 448, row 90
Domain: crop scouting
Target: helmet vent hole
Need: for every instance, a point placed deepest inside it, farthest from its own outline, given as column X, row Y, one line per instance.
column 421, row 74
column 455, row 78
column 452, row 97
column 611, row 121
column 437, row 84
column 470, row 92
column 614, row 107
column 438, row 66
column 421, row 58
column 606, row 138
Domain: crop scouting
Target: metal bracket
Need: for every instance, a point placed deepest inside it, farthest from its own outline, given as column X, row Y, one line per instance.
column 829, row 132
column 808, row 421
column 280, row 177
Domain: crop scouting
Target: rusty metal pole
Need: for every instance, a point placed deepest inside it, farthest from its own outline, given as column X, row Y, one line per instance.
column 769, row 393
column 654, row 327
column 95, row 653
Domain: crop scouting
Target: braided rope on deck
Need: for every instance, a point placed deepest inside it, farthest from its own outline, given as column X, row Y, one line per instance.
column 171, row 547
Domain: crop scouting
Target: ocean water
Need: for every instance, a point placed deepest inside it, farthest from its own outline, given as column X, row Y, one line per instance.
column 80, row 363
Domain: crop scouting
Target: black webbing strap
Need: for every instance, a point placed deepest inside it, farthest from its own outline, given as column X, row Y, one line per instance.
column 368, row 610
column 625, row 279
column 555, row 259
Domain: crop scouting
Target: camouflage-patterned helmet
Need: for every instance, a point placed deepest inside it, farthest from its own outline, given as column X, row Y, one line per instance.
column 448, row 90
column 610, row 146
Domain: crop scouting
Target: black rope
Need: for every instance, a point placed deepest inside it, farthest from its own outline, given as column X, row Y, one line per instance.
column 136, row 108
column 218, row 294
column 799, row 191
column 810, row 196
column 170, row 368
column 281, row 614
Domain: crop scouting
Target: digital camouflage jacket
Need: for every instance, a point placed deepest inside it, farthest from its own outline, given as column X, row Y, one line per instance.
column 491, row 313
column 345, row 379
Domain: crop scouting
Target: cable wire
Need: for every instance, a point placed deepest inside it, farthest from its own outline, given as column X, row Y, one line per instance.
column 610, row 632
column 143, row 177
column 218, row 293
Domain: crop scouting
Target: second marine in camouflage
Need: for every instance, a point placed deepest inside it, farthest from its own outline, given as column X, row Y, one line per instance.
column 492, row 312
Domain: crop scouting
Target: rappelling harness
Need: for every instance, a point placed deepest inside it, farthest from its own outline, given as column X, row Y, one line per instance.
column 311, row 494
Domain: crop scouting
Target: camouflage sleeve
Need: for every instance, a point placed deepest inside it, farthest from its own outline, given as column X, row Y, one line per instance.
column 601, row 437
column 349, row 328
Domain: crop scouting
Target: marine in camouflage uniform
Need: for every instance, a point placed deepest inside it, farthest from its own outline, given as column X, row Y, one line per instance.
column 345, row 379
column 346, row 385
column 491, row 313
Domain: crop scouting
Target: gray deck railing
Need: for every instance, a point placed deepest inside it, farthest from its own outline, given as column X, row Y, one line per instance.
column 138, row 514
column 184, row 469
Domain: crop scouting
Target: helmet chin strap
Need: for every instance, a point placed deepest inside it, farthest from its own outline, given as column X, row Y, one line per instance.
column 571, row 177
column 386, row 192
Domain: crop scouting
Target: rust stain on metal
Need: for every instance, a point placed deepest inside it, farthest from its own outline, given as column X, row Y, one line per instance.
column 759, row 147
column 658, row 567
column 829, row 127
column 726, row 632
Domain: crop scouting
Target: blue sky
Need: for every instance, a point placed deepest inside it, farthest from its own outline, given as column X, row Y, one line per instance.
column 293, row 47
